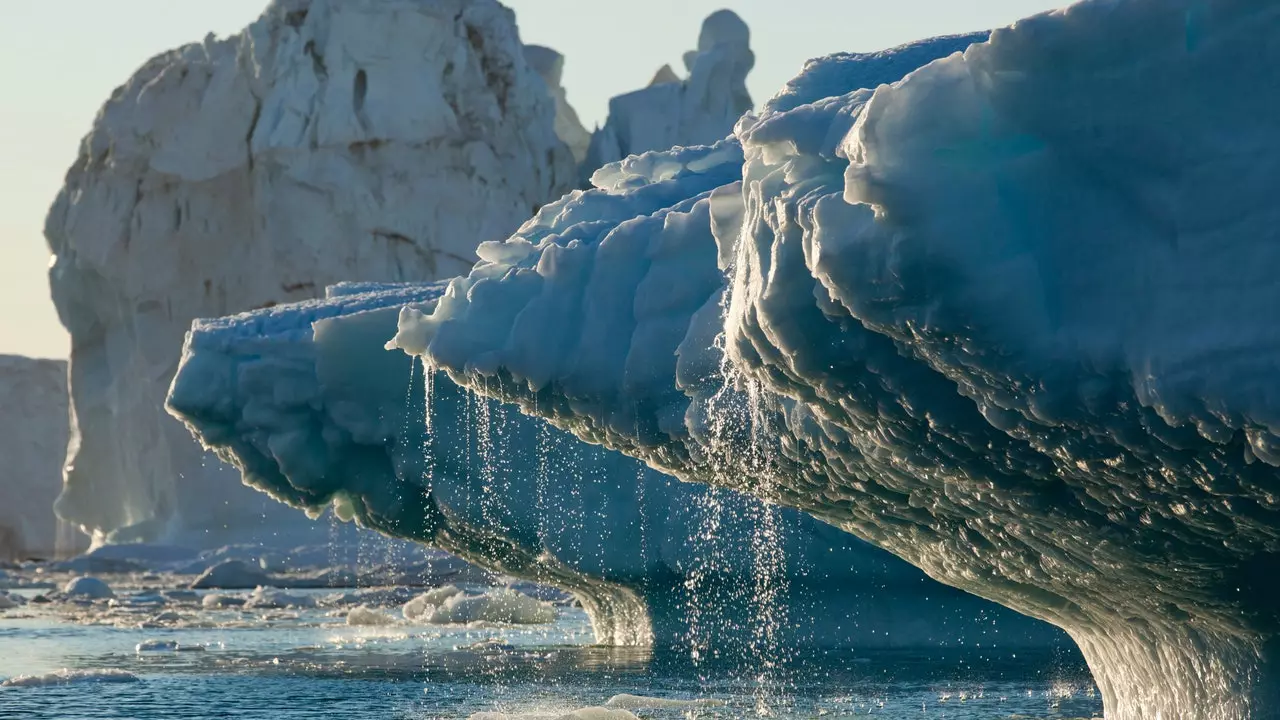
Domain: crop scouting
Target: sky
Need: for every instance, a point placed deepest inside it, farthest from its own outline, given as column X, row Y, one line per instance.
column 60, row 59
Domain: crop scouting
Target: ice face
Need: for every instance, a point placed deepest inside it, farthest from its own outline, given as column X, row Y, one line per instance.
column 312, row 409
column 999, row 318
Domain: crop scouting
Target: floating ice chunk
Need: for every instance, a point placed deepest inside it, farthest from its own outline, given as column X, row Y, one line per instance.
column 232, row 575
column 642, row 702
column 8, row 602
column 450, row 606
column 88, row 587
column 496, row 606
column 271, row 598
column 68, row 677
column 422, row 607
column 589, row 713
column 157, row 646
column 364, row 615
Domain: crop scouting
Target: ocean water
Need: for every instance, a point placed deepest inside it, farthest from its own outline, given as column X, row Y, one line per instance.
column 291, row 664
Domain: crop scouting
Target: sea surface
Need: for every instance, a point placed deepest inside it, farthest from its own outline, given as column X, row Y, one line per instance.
column 290, row 663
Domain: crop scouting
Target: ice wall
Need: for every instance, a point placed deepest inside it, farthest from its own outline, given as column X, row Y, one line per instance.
column 1005, row 318
column 309, row 405
column 670, row 112
column 33, row 415
column 330, row 140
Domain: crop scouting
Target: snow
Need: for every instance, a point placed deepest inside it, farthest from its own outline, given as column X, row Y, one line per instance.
column 328, row 141
column 33, row 419
column 88, row 587
column 697, row 110
column 1000, row 317
column 68, row 677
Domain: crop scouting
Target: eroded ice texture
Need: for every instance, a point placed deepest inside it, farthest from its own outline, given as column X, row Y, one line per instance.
column 1009, row 318
column 312, row 408
column 328, row 141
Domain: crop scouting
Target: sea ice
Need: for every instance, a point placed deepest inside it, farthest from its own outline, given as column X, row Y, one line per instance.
column 88, row 587
column 68, row 677
column 363, row 615
column 232, row 575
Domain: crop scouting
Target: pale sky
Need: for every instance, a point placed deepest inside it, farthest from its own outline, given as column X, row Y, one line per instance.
column 60, row 59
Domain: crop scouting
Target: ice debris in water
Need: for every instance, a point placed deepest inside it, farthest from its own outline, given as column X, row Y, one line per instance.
column 88, row 587
column 998, row 317
column 643, row 702
column 589, row 713
column 365, row 615
column 451, row 606
column 157, row 646
column 68, row 677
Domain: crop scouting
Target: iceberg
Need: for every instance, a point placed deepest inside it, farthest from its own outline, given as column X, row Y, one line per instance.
column 328, row 141
column 1005, row 317
column 671, row 111
column 33, row 399
column 306, row 402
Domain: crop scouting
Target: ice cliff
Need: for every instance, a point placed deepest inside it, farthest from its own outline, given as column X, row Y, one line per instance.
column 697, row 110
column 1006, row 318
column 330, row 140
column 33, row 412
column 307, row 403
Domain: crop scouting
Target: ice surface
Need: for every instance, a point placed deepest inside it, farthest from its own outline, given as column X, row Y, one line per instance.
column 68, row 677
column 328, row 141
column 1001, row 318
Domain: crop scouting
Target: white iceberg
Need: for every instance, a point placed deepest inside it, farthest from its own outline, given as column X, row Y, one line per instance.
column 328, row 141
column 652, row 560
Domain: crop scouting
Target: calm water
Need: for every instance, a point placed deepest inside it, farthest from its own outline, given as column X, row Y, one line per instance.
column 291, row 664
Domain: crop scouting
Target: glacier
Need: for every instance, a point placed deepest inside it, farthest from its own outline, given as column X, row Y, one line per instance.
column 305, row 401
column 330, row 140
column 1004, row 318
